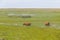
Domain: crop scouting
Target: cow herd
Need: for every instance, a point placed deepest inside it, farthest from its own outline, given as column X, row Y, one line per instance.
column 29, row 24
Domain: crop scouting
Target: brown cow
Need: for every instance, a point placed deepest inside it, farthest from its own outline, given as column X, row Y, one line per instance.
column 27, row 24
column 47, row 24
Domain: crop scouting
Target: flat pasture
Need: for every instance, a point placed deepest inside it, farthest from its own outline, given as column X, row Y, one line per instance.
column 12, row 28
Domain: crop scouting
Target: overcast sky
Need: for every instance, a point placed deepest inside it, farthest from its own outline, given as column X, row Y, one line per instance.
column 30, row 3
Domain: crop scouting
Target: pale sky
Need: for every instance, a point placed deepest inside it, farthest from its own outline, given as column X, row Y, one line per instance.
column 29, row 3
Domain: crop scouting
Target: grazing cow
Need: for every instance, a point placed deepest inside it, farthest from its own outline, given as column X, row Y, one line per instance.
column 47, row 24
column 27, row 24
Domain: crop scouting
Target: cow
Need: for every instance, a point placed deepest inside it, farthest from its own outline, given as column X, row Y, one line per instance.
column 47, row 24
column 27, row 24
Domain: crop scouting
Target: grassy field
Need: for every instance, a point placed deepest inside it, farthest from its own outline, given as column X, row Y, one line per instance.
column 37, row 31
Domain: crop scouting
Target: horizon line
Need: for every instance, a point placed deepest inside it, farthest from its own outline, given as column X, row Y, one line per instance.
column 29, row 7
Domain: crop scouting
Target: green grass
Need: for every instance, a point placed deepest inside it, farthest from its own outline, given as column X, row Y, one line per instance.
column 37, row 31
